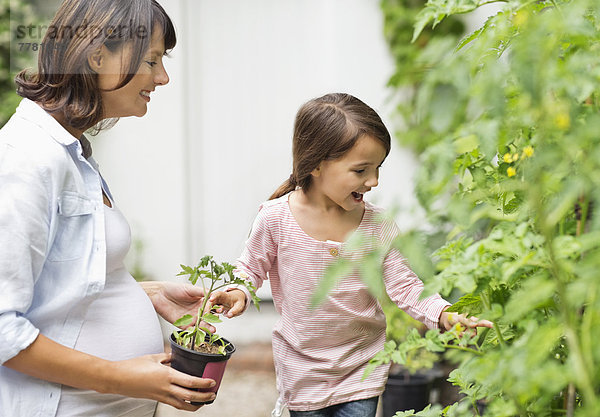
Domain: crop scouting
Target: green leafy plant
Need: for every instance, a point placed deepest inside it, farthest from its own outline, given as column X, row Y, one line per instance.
column 212, row 276
column 11, row 62
column 402, row 330
column 505, row 123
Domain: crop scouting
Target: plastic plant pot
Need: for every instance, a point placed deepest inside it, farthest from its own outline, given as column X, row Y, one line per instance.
column 203, row 365
column 406, row 393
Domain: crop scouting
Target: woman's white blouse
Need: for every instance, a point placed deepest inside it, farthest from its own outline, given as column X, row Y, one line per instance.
column 52, row 248
column 107, row 331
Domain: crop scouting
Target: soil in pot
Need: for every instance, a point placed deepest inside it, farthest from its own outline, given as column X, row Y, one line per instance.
column 200, row 364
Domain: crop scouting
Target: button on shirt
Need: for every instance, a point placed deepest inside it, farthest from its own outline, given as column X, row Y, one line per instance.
column 52, row 247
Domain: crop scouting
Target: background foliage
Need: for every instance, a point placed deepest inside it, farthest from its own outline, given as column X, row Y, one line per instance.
column 505, row 123
column 11, row 62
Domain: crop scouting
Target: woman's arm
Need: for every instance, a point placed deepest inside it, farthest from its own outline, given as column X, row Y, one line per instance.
column 142, row 377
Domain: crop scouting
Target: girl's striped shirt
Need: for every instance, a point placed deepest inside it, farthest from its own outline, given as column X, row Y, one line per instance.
column 320, row 354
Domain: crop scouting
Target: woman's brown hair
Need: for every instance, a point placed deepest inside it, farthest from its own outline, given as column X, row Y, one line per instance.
column 65, row 82
column 325, row 129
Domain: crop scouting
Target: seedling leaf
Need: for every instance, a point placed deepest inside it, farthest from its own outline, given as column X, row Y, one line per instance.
column 186, row 320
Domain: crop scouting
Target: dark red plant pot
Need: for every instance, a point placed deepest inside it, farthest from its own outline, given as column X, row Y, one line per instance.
column 203, row 365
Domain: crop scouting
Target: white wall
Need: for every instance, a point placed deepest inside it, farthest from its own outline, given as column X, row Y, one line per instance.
column 217, row 140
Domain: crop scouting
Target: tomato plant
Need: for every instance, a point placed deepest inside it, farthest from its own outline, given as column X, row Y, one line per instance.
column 212, row 276
column 506, row 126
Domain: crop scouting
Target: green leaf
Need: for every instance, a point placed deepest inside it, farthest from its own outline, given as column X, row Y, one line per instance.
column 186, row 269
column 193, row 278
column 205, row 260
column 564, row 204
column 184, row 321
column 429, row 411
column 411, row 245
column 371, row 273
column 407, row 413
column 536, row 292
column 468, row 304
column 211, row 318
column 442, row 108
column 466, row 144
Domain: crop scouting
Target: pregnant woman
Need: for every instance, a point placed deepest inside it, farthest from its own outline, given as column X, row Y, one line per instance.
column 78, row 335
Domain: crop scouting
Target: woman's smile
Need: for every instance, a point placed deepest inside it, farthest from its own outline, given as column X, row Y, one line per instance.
column 145, row 95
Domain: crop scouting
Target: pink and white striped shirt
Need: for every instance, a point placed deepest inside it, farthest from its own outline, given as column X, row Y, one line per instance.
column 320, row 355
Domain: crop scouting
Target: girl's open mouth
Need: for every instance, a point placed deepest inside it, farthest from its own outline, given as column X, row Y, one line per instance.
column 358, row 197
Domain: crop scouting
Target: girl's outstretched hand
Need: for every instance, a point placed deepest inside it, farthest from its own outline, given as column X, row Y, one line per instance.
column 230, row 303
column 449, row 320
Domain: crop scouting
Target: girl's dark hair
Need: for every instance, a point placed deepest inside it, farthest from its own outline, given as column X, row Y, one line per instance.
column 325, row 129
column 64, row 82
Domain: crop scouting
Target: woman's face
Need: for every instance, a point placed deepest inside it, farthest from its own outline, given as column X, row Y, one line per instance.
column 133, row 98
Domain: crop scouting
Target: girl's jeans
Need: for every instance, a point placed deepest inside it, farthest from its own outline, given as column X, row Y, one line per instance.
column 360, row 408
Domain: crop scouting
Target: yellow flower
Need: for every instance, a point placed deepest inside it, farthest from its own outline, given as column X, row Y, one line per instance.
column 528, row 151
column 507, row 158
column 459, row 328
column 520, row 18
column 562, row 120
column 511, row 171
column 515, row 157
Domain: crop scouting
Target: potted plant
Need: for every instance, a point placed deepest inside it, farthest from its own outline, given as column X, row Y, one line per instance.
column 413, row 371
column 195, row 349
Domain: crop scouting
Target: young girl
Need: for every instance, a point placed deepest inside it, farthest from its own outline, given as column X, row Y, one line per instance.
column 320, row 355
column 78, row 335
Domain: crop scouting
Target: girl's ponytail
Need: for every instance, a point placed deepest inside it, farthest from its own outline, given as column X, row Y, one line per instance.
column 288, row 186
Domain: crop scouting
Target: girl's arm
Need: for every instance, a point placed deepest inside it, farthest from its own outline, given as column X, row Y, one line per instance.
column 143, row 377
column 404, row 288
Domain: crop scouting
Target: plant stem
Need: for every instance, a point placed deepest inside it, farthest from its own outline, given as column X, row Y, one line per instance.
column 464, row 349
column 584, row 205
column 486, row 303
column 475, row 407
column 561, row 227
column 570, row 400
column 201, row 309
column 573, row 341
column 586, row 329
column 557, row 7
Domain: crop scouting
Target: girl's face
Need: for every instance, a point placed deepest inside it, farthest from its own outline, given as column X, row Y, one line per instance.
column 344, row 181
column 133, row 98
